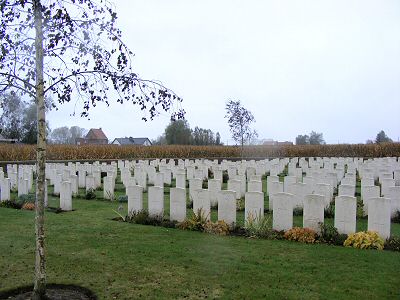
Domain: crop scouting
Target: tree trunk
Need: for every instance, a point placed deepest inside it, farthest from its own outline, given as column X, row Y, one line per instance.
column 40, row 263
column 241, row 148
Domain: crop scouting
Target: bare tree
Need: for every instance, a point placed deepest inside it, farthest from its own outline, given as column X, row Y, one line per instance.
column 69, row 50
column 239, row 120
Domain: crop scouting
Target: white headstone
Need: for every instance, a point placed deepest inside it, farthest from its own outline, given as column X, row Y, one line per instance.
column 347, row 190
column 379, row 216
column 201, row 202
column 194, row 185
column 135, row 198
column 254, row 205
column 254, row 186
column 367, row 193
column 177, row 208
column 156, row 201
column 5, row 189
column 214, row 187
column 313, row 212
column 66, row 196
column 345, row 214
column 283, row 211
column 227, row 206
column 235, row 185
column 108, row 188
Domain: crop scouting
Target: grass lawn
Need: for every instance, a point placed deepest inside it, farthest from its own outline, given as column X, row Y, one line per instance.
column 126, row 261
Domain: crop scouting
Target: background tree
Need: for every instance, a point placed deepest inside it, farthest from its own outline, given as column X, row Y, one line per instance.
column 239, row 120
column 381, row 137
column 12, row 117
column 75, row 133
column 71, row 51
column 302, row 139
column 160, row 140
column 178, row 133
column 65, row 135
column 218, row 139
column 29, row 125
column 316, row 138
column 313, row 139
column 18, row 119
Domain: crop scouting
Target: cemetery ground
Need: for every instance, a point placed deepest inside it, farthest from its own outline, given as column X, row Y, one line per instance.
column 120, row 260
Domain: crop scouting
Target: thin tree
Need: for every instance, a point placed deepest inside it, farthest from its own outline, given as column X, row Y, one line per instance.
column 68, row 50
column 239, row 120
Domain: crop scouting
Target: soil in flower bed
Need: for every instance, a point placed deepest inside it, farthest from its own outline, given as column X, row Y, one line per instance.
column 53, row 292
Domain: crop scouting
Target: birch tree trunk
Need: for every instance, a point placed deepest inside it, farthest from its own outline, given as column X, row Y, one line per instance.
column 40, row 263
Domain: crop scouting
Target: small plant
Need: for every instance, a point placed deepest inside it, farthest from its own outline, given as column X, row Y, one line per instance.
column 27, row 198
column 329, row 234
column 240, row 205
column 123, row 198
column 138, row 217
column 195, row 222
column 120, row 208
column 10, row 204
column 218, row 228
column 364, row 240
column 90, row 194
column 303, row 235
column 28, row 206
column 392, row 243
column 258, row 226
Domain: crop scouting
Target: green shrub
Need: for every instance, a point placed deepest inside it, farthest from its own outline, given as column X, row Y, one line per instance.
column 123, row 198
column 364, row 240
column 392, row 243
column 195, row 222
column 28, row 198
column 10, row 204
column 142, row 217
column 329, row 234
column 258, row 226
column 90, row 194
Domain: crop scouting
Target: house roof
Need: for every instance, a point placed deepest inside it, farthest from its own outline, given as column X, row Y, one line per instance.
column 96, row 134
column 132, row 141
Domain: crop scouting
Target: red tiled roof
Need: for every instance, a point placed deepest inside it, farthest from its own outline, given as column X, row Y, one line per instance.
column 96, row 134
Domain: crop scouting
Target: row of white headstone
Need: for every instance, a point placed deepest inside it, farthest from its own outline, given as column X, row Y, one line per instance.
column 322, row 177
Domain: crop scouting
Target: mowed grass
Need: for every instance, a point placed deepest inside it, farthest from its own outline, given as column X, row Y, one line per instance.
column 127, row 261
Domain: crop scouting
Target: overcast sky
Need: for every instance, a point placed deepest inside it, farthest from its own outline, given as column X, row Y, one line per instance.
column 328, row 66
